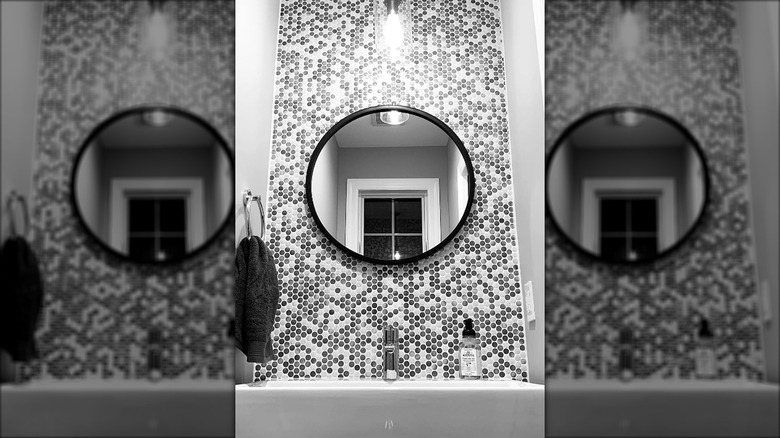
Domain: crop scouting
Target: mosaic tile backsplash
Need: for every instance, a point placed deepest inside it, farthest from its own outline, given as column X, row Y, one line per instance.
column 331, row 62
column 688, row 67
column 98, row 309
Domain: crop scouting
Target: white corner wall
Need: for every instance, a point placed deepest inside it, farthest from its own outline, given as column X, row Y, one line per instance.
column 523, row 41
column 256, row 29
column 758, row 34
column 21, row 36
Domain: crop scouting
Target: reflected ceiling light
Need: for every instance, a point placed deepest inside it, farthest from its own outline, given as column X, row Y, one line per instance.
column 393, row 117
column 628, row 118
column 397, row 255
column 629, row 30
column 156, row 117
column 158, row 29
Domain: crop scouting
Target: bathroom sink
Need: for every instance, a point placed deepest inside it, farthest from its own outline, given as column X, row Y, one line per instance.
column 118, row 408
column 399, row 409
column 604, row 408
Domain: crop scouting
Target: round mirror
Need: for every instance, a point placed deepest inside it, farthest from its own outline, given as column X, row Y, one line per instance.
column 153, row 184
column 390, row 184
column 626, row 184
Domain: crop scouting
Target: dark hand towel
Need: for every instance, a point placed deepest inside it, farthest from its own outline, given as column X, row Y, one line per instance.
column 22, row 299
column 257, row 299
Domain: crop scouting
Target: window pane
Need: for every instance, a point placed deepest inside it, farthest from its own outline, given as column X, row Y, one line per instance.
column 644, row 215
column 173, row 216
column 408, row 215
column 644, row 246
column 141, row 215
column 614, row 247
column 141, row 247
column 173, row 247
column 378, row 247
column 613, row 215
column 408, row 246
column 377, row 216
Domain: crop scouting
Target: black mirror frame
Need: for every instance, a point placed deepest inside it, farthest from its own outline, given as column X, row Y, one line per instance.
column 649, row 111
column 137, row 110
column 381, row 108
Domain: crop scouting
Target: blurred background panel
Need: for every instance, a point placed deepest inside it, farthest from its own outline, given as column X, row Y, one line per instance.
column 682, row 344
column 110, row 328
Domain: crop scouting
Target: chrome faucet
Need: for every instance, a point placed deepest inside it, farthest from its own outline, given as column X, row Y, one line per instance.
column 154, row 355
column 390, row 353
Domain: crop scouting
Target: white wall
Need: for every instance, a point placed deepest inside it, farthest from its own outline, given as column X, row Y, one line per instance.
column 88, row 189
column 325, row 185
column 560, row 188
column 454, row 161
column 523, row 42
column 21, row 35
column 256, row 28
column 223, row 183
column 758, row 34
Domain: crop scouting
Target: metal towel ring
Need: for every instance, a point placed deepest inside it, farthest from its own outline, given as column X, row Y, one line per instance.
column 13, row 196
column 248, row 198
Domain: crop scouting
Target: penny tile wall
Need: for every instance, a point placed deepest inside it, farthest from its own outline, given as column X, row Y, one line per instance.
column 688, row 67
column 98, row 309
column 331, row 62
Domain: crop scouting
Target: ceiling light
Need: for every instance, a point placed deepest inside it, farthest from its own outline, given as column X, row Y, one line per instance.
column 393, row 117
column 628, row 117
column 156, row 117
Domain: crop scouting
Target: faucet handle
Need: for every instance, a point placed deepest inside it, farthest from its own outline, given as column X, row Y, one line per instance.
column 391, row 335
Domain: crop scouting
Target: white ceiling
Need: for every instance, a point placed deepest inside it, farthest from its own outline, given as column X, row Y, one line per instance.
column 132, row 132
column 603, row 131
column 415, row 132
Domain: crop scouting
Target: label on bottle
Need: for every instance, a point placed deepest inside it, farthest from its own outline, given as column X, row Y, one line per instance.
column 468, row 362
column 705, row 362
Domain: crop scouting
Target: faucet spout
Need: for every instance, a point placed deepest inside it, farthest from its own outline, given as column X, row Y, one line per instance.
column 390, row 353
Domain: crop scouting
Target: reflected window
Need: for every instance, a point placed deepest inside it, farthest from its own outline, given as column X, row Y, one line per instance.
column 157, row 227
column 628, row 227
column 392, row 227
column 392, row 218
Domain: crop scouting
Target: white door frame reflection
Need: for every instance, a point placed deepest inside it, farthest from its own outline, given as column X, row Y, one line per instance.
column 425, row 188
column 123, row 189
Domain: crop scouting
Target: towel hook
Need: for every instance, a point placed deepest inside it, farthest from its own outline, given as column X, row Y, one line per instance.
column 13, row 196
column 248, row 198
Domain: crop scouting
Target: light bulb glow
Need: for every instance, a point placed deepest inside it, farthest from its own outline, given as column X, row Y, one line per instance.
column 628, row 34
column 394, row 31
column 628, row 30
column 397, row 255
column 158, row 35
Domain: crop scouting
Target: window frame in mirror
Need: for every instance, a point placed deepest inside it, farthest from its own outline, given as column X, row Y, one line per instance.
column 414, row 112
column 648, row 112
column 140, row 110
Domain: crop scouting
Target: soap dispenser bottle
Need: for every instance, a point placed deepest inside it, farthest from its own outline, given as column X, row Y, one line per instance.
column 705, row 351
column 470, row 352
